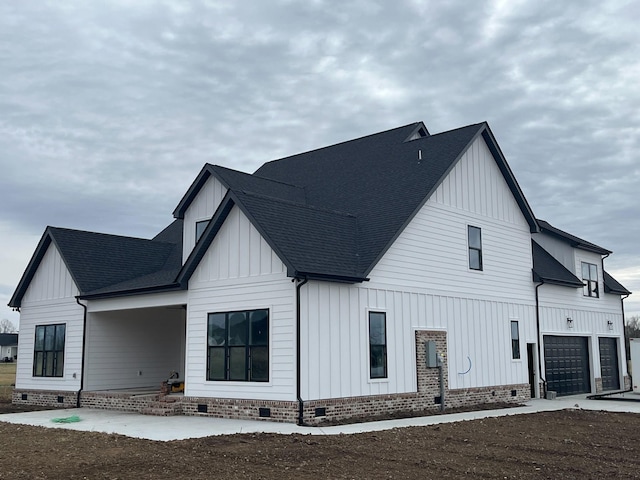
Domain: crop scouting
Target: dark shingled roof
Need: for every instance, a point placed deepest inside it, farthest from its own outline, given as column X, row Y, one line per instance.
column 574, row 241
column 549, row 270
column 7, row 339
column 330, row 213
column 333, row 212
column 100, row 263
column 611, row 285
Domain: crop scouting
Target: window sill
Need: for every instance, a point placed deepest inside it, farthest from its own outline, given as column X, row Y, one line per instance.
column 378, row 380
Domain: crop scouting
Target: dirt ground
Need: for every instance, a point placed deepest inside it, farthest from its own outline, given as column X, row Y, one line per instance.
column 568, row 444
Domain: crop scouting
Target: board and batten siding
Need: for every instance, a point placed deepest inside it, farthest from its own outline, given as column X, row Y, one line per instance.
column 203, row 206
column 335, row 349
column 590, row 315
column 134, row 348
column 423, row 281
column 50, row 299
column 561, row 251
column 241, row 272
column 432, row 251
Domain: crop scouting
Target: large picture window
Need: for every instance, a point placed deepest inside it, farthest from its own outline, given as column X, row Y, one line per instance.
column 377, row 345
column 590, row 279
column 238, row 346
column 48, row 351
column 475, row 247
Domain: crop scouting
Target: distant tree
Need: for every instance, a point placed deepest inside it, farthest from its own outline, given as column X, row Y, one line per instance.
column 6, row 326
column 631, row 330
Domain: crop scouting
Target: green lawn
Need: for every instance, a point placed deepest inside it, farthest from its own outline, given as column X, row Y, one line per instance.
column 7, row 373
column 7, row 378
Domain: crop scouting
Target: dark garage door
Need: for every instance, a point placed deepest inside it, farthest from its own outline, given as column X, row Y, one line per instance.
column 567, row 364
column 609, row 364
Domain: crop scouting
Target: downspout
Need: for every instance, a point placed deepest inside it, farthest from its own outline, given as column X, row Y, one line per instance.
column 544, row 381
column 84, row 343
column 624, row 338
column 298, row 375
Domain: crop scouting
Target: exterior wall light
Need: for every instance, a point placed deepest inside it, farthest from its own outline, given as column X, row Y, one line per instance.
column 569, row 322
column 610, row 324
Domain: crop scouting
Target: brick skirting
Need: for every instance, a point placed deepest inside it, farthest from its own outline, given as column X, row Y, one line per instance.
column 44, row 398
column 316, row 412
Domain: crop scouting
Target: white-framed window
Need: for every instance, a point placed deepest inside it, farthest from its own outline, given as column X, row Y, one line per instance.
column 474, row 237
column 590, row 280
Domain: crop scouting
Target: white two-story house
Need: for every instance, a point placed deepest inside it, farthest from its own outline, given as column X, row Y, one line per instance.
column 321, row 287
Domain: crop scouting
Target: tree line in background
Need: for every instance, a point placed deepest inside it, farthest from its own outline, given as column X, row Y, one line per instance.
column 631, row 330
column 7, row 326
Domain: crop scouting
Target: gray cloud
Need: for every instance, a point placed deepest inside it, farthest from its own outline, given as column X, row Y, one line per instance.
column 110, row 109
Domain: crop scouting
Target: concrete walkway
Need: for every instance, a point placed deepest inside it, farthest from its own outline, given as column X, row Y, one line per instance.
column 182, row 427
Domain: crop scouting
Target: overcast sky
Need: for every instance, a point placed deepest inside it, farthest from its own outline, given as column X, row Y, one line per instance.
column 109, row 109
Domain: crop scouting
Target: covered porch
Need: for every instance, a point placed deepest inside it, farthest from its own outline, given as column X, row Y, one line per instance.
column 131, row 348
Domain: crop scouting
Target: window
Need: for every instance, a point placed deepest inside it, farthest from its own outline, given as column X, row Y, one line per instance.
column 515, row 340
column 48, row 351
column 475, row 248
column 377, row 345
column 238, row 346
column 590, row 279
column 200, row 228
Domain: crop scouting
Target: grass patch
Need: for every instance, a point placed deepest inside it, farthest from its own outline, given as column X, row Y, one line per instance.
column 7, row 374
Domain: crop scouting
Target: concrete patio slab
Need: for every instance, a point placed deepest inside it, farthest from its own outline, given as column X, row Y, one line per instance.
column 183, row 427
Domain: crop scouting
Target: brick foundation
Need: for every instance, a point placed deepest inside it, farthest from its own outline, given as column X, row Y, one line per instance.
column 44, row 398
column 275, row 411
column 599, row 385
column 316, row 412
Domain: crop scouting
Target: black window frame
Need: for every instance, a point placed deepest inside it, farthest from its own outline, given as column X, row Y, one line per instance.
column 473, row 249
column 378, row 350
column 590, row 284
column 515, row 340
column 244, row 350
column 199, row 231
column 48, row 352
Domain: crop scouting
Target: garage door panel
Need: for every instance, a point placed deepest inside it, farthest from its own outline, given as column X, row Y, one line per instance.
column 609, row 369
column 567, row 364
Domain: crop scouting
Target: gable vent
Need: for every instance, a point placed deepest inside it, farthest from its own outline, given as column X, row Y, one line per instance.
column 420, row 133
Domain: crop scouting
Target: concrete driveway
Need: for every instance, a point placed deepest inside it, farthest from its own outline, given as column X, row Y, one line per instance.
column 182, row 427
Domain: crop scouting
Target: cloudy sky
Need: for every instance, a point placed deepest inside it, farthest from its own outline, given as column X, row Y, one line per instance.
column 109, row 109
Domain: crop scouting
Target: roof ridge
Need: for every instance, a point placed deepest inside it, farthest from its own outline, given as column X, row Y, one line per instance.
column 344, row 142
column 296, row 204
column 453, row 130
column 253, row 175
column 52, row 228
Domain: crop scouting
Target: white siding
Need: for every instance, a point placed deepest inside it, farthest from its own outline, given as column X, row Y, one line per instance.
column 432, row 251
column 590, row 315
column 335, row 360
column 52, row 280
column 134, row 348
column 50, row 299
column 238, row 272
column 202, row 208
column 237, row 251
column 560, row 250
column 424, row 282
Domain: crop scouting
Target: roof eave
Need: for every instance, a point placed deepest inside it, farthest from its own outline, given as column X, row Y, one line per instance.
column 510, row 178
column 32, row 267
column 134, row 291
column 329, row 277
column 555, row 281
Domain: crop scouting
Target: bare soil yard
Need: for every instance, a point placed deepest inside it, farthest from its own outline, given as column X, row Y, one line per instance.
column 568, row 444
